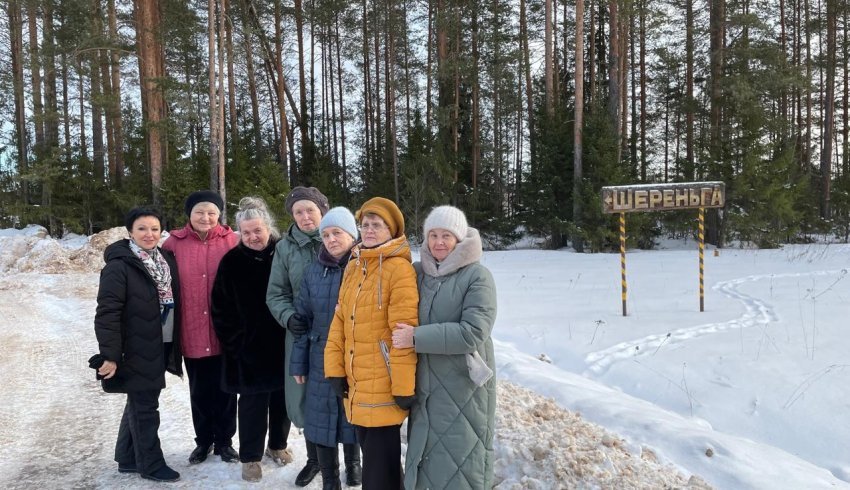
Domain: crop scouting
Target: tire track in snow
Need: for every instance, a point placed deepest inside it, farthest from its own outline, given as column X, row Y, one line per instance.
column 757, row 313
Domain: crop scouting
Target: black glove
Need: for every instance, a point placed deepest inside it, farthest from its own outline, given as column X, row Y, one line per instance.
column 340, row 386
column 95, row 362
column 405, row 402
column 297, row 324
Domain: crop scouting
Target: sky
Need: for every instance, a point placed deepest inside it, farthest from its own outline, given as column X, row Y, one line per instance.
column 752, row 393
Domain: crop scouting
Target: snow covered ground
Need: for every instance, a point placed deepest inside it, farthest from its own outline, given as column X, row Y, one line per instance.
column 752, row 393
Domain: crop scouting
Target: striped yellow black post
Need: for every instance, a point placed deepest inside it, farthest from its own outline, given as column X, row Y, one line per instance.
column 623, row 258
column 701, row 236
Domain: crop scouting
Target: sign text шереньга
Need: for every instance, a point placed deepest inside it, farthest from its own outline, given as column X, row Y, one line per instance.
column 663, row 197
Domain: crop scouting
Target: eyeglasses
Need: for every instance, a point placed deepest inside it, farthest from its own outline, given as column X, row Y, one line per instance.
column 372, row 226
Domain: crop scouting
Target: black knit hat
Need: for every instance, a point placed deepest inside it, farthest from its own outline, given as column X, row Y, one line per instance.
column 203, row 196
column 301, row 193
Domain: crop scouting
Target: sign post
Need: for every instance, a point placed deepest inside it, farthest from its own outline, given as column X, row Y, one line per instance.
column 624, row 288
column 663, row 197
column 701, row 235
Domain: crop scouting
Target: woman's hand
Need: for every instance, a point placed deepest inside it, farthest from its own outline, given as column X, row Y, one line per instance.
column 300, row 379
column 107, row 370
column 403, row 336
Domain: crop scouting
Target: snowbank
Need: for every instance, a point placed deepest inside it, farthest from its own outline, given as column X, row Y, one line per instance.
column 540, row 445
column 32, row 250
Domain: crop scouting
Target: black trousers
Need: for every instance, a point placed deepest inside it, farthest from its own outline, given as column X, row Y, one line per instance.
column 258, row 413
column 138, row 434
column 213, row 410
column 381, row 457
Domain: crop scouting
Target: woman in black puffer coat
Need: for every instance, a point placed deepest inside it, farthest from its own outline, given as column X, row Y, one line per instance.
column 137, row 332
column 251, row 339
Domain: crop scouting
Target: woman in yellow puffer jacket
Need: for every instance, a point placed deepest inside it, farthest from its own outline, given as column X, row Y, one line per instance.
column 375, row 380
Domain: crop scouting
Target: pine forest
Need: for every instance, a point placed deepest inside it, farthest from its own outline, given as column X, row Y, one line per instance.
column 517, row 111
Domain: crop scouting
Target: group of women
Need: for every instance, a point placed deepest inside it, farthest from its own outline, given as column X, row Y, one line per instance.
column 329, row 326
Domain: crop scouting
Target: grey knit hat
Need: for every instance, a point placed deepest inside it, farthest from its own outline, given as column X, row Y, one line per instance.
column 301, row 193
column 342, row 218
column 448, row 218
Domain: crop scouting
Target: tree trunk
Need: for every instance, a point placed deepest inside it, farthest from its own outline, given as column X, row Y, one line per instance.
column 529, row 93
column 117, row 118
column 281, row 104
column 548, row 60
column 783, row 97
column 392, row 91
column 339, row 73
column 16, row 27
column 614, row 72
column 476, row 103
column 845, row 130
column 717, row 168
column 591, row 55
column 215, row 136
column 690, row 103
column 428, row 67
column 66, row 113
column 252, row 90
column 625, row 20
column 312, row 122
column 302, row 81
column 326, row 138
column 227, row 20
column 98, row 154
column 378, row 133
column 106, row 81
column 81, row 90
column 151, row 70
column 808, row 139
column 51, row 115
column 367, row 90
column 35, row 77
column 829, row 108
column 332, row 86
column 578, row 242
column 406, row 37
column 222, row 159
column 643, row 157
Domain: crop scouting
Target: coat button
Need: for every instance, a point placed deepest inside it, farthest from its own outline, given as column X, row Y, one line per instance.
column 352, row 317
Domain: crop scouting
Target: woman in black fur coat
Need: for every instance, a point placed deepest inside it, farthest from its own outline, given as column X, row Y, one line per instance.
column 252, row 340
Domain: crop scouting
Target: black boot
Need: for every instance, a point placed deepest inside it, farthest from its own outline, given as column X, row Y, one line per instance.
column 199, row 455
column 311, row 469
column 353, row 470
column 227, row 453
column 163, row 474
column 329, row 463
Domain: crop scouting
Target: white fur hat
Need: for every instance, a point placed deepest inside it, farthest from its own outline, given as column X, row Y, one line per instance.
column 448, row 218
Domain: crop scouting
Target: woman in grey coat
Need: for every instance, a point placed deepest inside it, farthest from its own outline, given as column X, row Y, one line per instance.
column 451, row 424
column 296, row 250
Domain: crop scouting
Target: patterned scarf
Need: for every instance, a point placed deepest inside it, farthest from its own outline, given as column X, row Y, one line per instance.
column 158, row 268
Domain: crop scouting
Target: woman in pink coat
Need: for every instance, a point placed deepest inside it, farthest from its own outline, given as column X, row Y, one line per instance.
column 198, row 248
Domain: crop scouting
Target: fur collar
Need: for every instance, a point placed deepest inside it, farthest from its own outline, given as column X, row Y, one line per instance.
column 468, row 251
